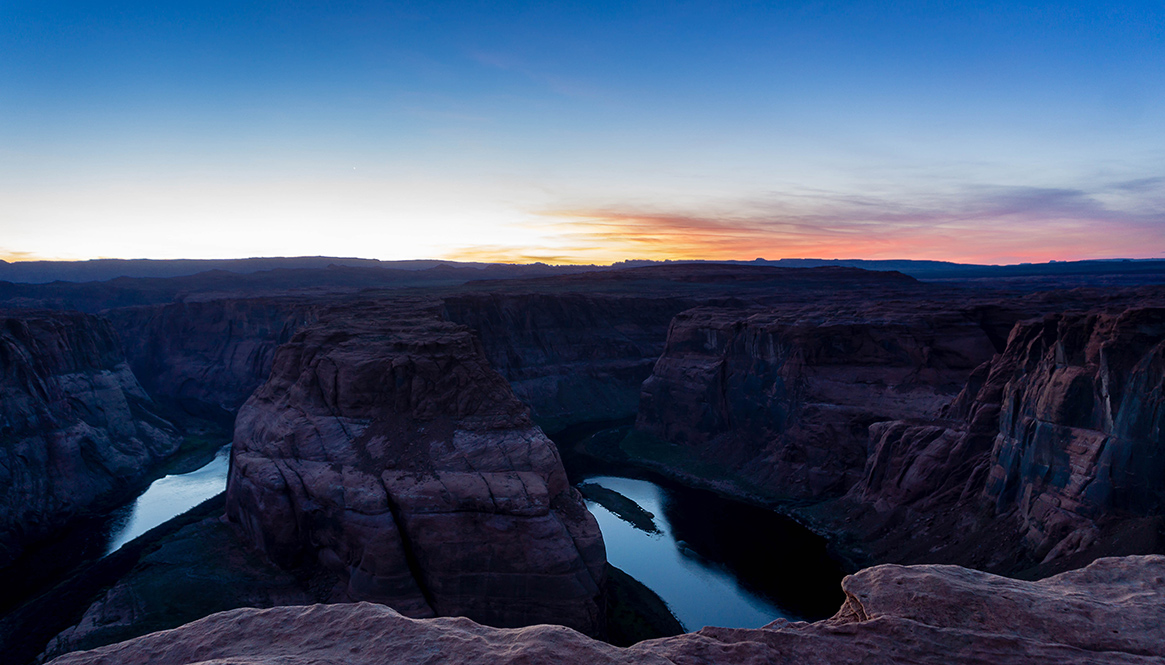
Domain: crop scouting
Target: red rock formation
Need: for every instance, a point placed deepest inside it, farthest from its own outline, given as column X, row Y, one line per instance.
column 572, row 357
column 1082, row 430
column 1110, row 612
column 77, row 432
column 1058, row 441
column 384, row 447
column 785, row 396
column 214, row 353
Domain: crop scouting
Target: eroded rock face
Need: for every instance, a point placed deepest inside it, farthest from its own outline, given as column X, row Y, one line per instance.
column 77, row 432
column 572, row 357
column 1058, row 440
column 786, row 397
column 1113, row 611
column 1082, row 430
column 210, row 354
column 385, row 448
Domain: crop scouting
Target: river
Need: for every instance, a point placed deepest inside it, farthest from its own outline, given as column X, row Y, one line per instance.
column 167, row 498
column 712, row 560
column 715, row 562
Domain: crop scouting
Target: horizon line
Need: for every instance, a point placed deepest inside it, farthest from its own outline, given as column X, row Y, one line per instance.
column 18, row 261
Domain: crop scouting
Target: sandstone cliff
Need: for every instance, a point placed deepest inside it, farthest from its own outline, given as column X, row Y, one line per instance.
column 1082, row 429
column 572, row 357
column 1051, row 454
column 1113, row 611
column 784, row 397
column 386, row 449
column 208, row 356
column 77, row 432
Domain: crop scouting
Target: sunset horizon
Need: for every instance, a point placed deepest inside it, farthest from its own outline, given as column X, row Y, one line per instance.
column 472, row 258
column 582, row 132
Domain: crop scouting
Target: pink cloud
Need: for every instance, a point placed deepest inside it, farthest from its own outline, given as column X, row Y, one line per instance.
column 987, row 225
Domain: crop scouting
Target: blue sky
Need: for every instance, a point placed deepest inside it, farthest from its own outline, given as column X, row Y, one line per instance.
column 993, row 132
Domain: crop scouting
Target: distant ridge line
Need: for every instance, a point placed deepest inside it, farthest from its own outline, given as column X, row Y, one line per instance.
column 99, row 270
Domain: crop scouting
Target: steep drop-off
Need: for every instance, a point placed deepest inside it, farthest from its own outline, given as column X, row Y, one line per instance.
column 386, row 449
column 1082, row 429
column 77, row 432
column 208, row 356
column 1053, row 454
column 783, row 398
column 572, row 357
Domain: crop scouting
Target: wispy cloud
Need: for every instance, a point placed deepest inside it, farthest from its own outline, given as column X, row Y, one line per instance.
column 14, row 256
column 983, row 224
column 1142, row 185
column 555, row 83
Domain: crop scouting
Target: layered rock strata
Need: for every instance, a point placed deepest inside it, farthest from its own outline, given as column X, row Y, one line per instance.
column 785, row 398
column 572, row 357
column 1061, row 437
column 1082, row 429
column 209, row 356
column 386, row 449
column 1113, row 611
column 77, row 432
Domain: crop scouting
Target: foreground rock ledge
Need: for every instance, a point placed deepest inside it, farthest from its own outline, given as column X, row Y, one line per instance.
column 1113, row 611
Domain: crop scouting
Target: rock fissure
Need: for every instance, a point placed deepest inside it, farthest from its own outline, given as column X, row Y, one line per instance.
column 410, row 555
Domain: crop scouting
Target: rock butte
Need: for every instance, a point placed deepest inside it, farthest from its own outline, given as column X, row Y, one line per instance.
column 385, row 447
column 1112, row 611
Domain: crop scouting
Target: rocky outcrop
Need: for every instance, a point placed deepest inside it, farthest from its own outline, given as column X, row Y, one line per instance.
column 785, row 397
column 386, row 449
column 1110, row 612
column 1053, row 449
column 208, row 356
column 77, row 432
column 572, row 357
column 1082, row 430
column 199, row 570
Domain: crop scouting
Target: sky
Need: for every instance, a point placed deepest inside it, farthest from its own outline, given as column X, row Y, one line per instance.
column 582, row 132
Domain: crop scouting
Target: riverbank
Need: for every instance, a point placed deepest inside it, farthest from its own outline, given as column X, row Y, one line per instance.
column 613, row 445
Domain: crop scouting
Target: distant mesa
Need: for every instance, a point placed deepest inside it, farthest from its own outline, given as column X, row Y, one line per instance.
column 98, row 270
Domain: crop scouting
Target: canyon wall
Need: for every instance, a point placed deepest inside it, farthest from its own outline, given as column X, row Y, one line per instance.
column 1051, row 455
column 926, row 430
column 208, row 356
column 572, row 357
column 384, row 448
column 1082, row 429
column 785, row 398
column 77, row 432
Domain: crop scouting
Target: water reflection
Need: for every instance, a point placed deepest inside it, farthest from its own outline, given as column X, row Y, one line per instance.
column 719, row 562
column 167, row 498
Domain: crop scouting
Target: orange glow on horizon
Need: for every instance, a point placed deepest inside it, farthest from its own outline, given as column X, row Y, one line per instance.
column 604, row 237
column 22, row 257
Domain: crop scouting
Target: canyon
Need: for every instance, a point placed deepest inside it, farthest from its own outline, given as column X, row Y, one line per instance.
column 79, row 433
column 390, row 445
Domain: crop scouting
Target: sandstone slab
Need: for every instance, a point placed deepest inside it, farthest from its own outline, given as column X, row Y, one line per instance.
column 1110, row 612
